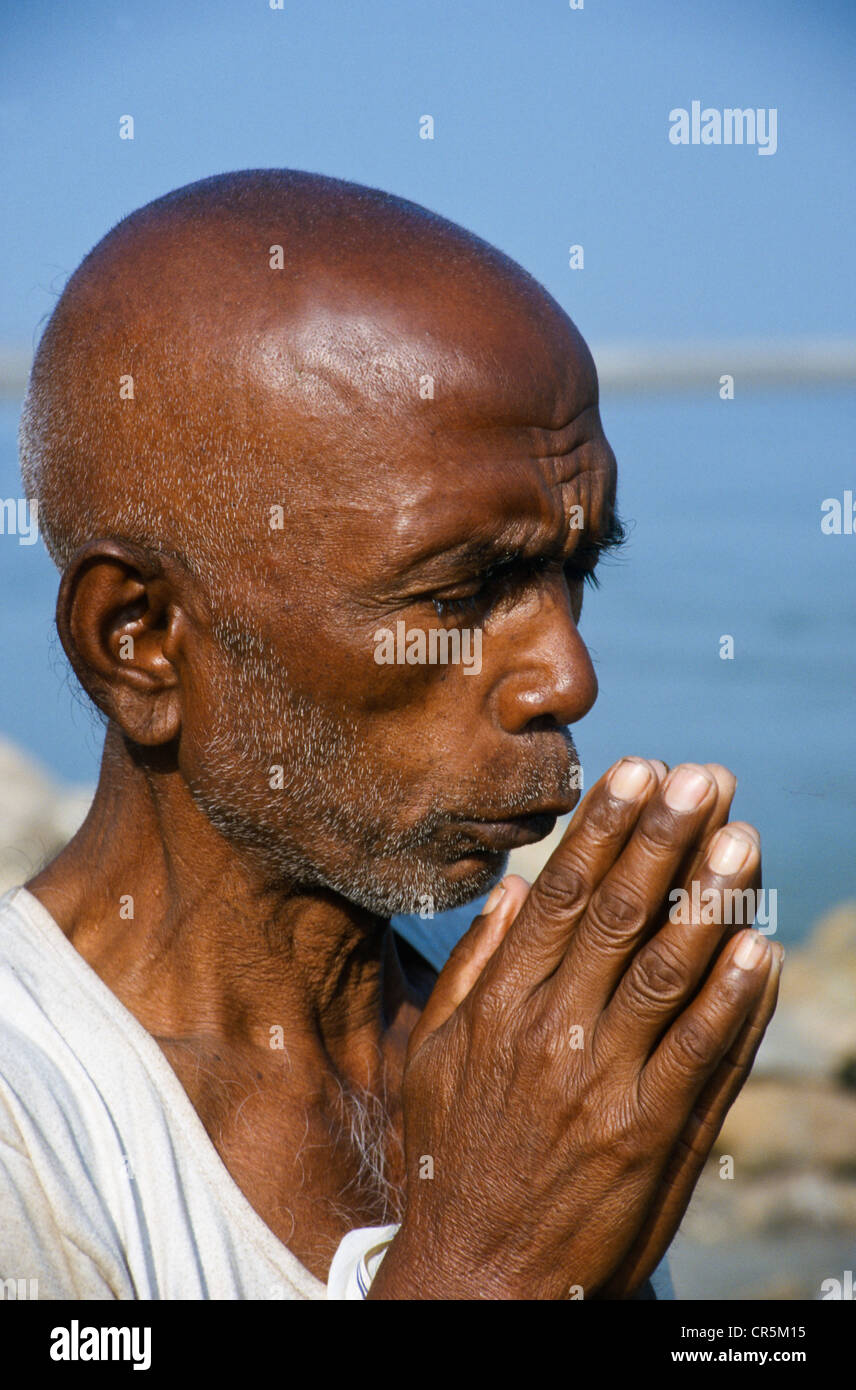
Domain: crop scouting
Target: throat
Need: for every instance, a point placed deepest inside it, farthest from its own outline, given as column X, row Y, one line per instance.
column 367, row 1133
column 315, row 1160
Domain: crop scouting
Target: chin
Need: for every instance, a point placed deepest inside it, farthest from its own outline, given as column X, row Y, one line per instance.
column 469, row 878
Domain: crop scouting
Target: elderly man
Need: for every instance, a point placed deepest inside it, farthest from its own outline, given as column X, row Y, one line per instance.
column 288, row 435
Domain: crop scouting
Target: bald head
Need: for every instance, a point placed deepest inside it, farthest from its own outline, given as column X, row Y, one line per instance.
column 256, row 333
column 274, row 418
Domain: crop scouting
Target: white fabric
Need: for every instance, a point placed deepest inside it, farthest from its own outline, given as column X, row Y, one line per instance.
column 109, row 1184
column 357, row 1261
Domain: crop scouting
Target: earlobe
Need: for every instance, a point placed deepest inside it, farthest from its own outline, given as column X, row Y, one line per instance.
column 148, row 721
column 117, row 615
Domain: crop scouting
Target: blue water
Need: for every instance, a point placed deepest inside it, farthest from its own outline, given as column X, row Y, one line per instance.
column 725, row 503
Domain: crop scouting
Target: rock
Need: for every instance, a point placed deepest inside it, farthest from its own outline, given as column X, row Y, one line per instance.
column 777, row 1124
column 813, row 1033
column 745, row 1206
column 786, row 1265
column 37, row 815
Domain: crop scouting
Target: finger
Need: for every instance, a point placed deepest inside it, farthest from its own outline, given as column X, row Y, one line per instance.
column 665, row 973
column 721, row 1091
column 599, row 830
column 703, row 1033
column 726, row 784
column 741, row 917
column 630, row 897
column 726, row 787
column 694, row 1146
column 469, row 957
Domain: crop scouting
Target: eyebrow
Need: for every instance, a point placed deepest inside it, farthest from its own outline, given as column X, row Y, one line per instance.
column 612, row 536
column 492, row 553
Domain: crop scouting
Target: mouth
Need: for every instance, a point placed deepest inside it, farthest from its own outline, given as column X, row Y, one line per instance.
column 511, row 832
column 537, row 810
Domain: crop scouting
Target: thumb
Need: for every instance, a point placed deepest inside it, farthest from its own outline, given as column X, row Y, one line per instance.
column 469, row 957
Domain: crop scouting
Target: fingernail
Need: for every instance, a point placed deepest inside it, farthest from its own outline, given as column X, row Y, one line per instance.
column 729, row 852
column 629, row 779
column 750, row 951
column 687, row 789
column 493, row 898
column 744, row 828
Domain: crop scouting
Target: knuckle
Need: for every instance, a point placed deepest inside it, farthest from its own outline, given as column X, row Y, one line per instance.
column 489, row 1008
column 623, row 1117
column 660, row 830
column 616, row 912
column 697, row 1044
column 461, row 953
column 542, row 1036
column 429, row 1072
column 606, row 819
column 631, row 1134
column 734, row 989
column 559, row 892
column 552, row 1038
column 657, row 976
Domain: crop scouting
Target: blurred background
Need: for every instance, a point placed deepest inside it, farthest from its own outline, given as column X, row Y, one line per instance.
column 550, row 131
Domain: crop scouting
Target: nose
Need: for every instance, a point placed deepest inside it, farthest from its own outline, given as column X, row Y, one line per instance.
column 549, row 678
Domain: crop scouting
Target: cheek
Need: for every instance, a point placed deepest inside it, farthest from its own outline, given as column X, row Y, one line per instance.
column 398, row 666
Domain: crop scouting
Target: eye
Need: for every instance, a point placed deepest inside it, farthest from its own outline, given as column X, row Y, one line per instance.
column 493, row 583
column 582, row 570
column 454, row 607
column 490, row 584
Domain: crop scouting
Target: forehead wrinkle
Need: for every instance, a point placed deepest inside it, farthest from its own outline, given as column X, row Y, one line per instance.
column 538, row 527
column 565, row 439
column 537, row 441
column 568, row 467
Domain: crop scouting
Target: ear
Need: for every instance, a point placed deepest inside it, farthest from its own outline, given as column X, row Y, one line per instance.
column 122, row 624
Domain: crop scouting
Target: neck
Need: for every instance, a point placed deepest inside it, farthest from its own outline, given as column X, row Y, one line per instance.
column 185, row 930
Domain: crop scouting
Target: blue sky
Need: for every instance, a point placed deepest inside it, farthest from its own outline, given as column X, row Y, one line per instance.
column 551, row 129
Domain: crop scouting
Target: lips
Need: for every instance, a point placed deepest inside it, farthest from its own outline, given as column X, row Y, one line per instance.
column 544, row 793
column 511, row 833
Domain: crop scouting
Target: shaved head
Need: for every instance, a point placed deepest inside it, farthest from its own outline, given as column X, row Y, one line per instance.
column 326, row 477
column 275, row 414
column 217, row 301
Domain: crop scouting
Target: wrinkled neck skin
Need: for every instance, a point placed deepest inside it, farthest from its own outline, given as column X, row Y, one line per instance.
column 183, row 928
